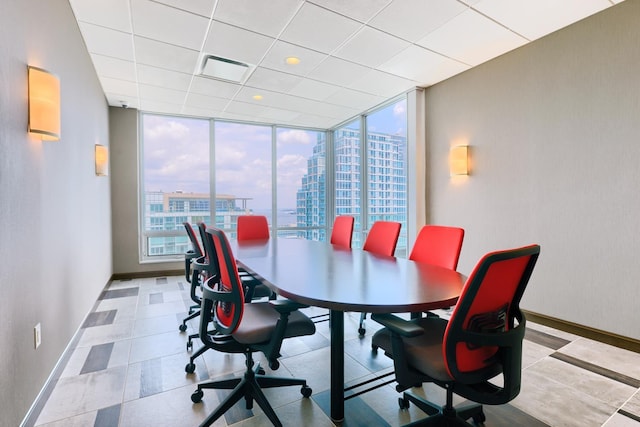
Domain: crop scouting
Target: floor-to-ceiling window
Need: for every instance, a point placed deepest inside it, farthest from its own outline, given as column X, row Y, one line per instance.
column 274, row 171
column 301, row 183
column 371, row 170
column 243, row 171
column 175, row 182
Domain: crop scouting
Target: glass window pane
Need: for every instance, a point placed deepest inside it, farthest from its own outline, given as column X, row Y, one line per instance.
column 242, row 171
column 347, row 175
column 387, row 168
column 301, row 171
column 175, row 179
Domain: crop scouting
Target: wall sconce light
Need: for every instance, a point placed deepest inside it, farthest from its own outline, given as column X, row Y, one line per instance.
column 102, row 160
column 459, row 160
column 44, row 104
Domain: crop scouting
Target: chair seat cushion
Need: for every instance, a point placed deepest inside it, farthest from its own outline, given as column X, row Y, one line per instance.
column 424, row 352
column 259, row 323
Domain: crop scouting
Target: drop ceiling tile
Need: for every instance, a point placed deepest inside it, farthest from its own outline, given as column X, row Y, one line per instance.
column 275, row 58
column 239, row 117
column 203, row 101
column 213, row 87
column 167, row 24
column 235, row 43
column 471, row 38
column 200, row 7
column 264, row 78
column 319, row 29
column 313, row 121
column 201, row 112
column 160, row 107
column 108, row 66
column 336, row 112
column 360, row 10
column 381, row 83
column 161, row 94
column 413, row 19
column 107, row 42
column 278, row 115
column 422, row 65
column 338, row 72
column 536, row 18
column 371, row 47
column 269, row 98
column 164, row 78
column 163, row 55
column 244, row 108
column 314, row 89
column 354, row 99
column 121, row 87
column 265, row 17
column 113, row 14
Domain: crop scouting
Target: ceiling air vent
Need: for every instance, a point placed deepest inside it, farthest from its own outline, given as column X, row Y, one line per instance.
column 224, row 69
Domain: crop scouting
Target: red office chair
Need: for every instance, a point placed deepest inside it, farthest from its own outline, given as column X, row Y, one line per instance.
column 438, row 245
column 342, row 231
column 482, row 340
column 382, row 240
column 253, row 227
column 246, row 328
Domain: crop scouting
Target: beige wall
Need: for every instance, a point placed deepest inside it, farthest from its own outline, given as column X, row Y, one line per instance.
column 55, row 213
column 555, row 134
column 123, row 125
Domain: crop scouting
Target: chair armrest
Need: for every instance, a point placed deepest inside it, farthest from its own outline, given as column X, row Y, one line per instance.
column 398, row 325
column 285, row 305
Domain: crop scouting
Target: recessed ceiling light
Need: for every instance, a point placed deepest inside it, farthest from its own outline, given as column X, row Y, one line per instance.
column 292, row 60
column 257, row 97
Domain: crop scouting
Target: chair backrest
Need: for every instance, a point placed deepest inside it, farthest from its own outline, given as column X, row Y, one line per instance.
column 195, row 244
column 438, row 245
column 252, row 227
column 342, row 231
column 482, row 338
column 223, row 293
column 382, row 238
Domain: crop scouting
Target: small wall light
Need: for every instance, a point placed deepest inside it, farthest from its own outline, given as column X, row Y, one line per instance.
column 102, row 160
column 44, row 104
column 459, row 160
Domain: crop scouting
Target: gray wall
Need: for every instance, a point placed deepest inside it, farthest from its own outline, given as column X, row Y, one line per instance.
column 123, row 125
column 55, row 213
column 555, row 134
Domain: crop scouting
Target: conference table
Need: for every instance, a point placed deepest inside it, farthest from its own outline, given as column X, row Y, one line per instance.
column 321, row 275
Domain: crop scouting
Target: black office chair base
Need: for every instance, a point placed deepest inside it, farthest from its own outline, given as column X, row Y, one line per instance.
column 361, row 327
column 192, row 315
column 443, row 415
column 250, row 387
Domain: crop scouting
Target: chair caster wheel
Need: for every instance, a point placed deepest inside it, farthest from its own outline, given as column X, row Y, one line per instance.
column 306, row 391
column 182, row 327
column 261, row 371
column 362, row 331
column 190, row 368
column 189, row 345
column 403, row 403
column 374, row 348
column 196, row 396
column 274, row 365
column 479, row 418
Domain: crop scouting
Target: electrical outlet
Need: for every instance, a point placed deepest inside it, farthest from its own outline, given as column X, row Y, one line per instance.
column 37, row 336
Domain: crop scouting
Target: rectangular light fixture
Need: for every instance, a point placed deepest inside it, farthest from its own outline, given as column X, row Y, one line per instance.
column 102, row 160
column 224, row 69
column 44, row 104
column 459, row 160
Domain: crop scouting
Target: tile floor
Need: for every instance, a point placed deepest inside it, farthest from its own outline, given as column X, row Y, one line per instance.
column 125, row 368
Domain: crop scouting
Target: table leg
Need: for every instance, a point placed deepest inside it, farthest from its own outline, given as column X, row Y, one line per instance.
column 337, row 365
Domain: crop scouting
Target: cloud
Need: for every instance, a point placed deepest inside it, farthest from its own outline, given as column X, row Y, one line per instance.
column 294, row 136
column 400, row 109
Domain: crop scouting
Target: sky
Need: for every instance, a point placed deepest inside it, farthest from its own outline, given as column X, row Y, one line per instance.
column 176, row 155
